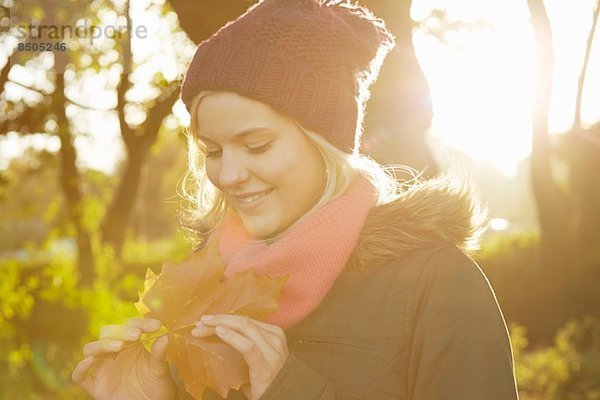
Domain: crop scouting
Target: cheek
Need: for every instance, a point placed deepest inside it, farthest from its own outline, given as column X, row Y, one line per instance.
column 305, row 177
column 273, row 168
column 285, row 172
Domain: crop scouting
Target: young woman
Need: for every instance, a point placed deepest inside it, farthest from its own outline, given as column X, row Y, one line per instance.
column 381, row 302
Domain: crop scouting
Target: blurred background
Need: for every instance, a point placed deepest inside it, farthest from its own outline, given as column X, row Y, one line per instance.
column 92, row 150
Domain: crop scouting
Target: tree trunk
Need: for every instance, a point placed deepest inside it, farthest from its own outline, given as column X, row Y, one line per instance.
column 69, row 180
column 553, row 205
column 117, row 217
column 586, row 60
column 138, row 146
column 138, row 142
column 399, row 111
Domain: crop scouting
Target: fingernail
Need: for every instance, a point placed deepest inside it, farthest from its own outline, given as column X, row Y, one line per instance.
column 132, row 334
column 154, row 324
column 220, row 329
column 115, row 345
column 195, row 332
column 199, row 325
column 206, row 318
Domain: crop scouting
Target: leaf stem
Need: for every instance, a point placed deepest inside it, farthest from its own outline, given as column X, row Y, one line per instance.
column 153, row 337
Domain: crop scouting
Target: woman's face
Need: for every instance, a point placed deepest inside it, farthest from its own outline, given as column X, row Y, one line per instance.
column 266, row 167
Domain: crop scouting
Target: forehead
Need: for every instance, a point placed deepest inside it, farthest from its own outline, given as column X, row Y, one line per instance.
column 223, row 114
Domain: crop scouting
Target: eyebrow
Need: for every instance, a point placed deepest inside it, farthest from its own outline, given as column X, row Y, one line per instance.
column 241, row 134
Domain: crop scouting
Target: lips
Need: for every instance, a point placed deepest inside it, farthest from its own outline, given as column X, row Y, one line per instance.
column 250, row 200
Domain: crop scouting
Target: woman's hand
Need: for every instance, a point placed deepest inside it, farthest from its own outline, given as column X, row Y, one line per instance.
column 141, row 377
column 263, row 346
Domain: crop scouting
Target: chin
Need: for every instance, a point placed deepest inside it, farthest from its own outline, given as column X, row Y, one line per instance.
column 260, row 229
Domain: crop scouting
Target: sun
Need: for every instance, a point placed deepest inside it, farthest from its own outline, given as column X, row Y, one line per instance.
column 481, row 77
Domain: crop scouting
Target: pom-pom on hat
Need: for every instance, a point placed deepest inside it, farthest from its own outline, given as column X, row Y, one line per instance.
column 312, row 60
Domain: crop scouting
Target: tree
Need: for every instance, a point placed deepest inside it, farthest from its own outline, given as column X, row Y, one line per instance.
column 47, row 114
column 400, row 111
column 568, row 214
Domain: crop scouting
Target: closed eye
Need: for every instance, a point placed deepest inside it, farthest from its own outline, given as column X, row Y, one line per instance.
column 260, row 148
column 254, row 149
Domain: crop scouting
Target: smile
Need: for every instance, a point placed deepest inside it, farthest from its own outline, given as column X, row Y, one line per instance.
column 249, row 201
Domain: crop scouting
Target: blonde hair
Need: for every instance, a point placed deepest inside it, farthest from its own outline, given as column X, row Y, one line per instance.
column 207, row 205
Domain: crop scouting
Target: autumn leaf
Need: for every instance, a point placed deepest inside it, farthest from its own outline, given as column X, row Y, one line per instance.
column 115, row 376
column 182, row 293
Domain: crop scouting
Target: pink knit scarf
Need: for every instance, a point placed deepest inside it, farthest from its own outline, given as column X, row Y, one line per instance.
column 312, row 254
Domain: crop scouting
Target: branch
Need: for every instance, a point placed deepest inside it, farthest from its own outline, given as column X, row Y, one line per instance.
column 4, row 75
column 127, row 133
column 116, row 219
column 87, row 107
column 27, row 87
column 588, row 51
column 162, row 108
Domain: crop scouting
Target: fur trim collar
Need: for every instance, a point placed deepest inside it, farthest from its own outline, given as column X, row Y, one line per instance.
column 436, row 211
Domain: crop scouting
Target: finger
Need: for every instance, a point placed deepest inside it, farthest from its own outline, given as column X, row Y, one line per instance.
column 158, row 353
column 245, row 326
column 246, row 347
column 146, row 325
column 274, row 333
column 260, row 362
column 100, row 347
column 274, row 329
column 210, row 320
column 81, row 369
column 131, row 330
column 201, row 330
column 120, row 332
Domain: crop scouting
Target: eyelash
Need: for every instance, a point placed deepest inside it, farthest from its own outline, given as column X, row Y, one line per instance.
column 260, row 149
column 254, row 150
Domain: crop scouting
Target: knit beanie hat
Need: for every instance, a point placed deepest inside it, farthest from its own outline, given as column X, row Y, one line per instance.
column 312, row 60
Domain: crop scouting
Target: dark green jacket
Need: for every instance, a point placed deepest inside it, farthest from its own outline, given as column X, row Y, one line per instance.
column 425, row 326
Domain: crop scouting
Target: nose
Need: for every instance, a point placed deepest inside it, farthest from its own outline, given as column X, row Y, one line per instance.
column 232, row 171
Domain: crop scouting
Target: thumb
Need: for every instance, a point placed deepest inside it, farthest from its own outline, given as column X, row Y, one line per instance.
column 158, row 351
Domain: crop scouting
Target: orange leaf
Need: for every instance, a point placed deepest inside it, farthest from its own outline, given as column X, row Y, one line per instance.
column 182, row 293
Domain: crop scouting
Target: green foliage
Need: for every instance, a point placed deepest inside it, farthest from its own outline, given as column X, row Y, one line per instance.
column 15, row 297
column 510, row 247
column 32, row 206
column 556, row 340
column 568, row 370
column 45, row 315
column 45, row 318
column 175, row 249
